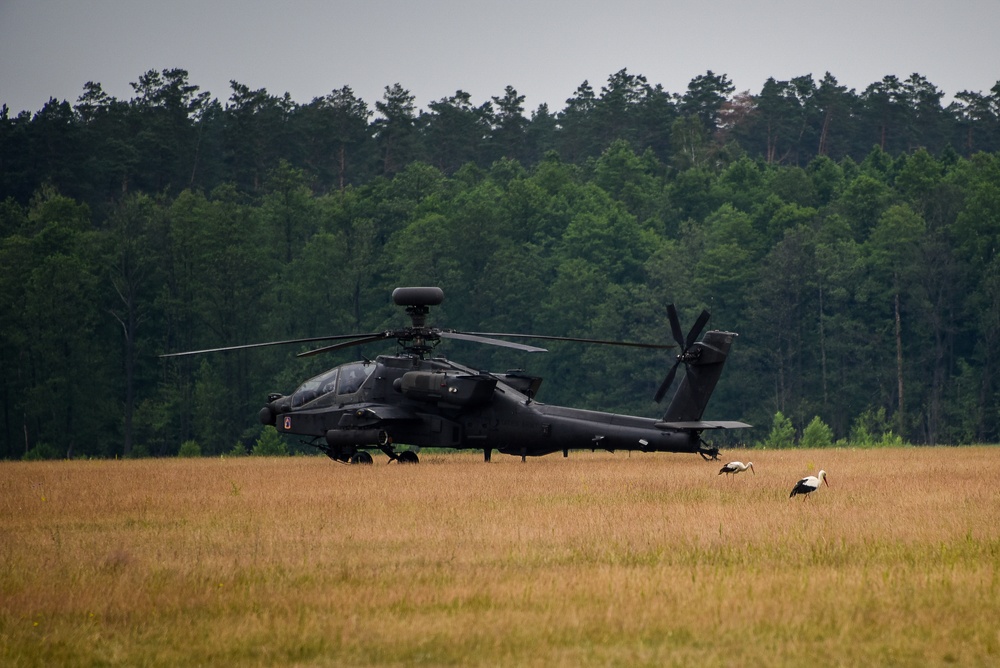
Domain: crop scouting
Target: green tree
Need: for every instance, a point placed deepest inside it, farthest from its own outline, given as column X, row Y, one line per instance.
column 893, row 248
column 270, row 444
column 793, row 185
column 541, row 135
column 132, row 263
column 189, row 449
column 926, row 121
column 455, row 130
column 395, row 132
column 848, row 355
column 608, row 239
column 741, row 184
column 288, row 211
column 979, row 120
column 816, row 434
column 578, row 137
column 212, row 426
column 873, row 427
column 862, row 203
column 705, row 95
column 724, row 266
column 217, row 286
column 164, row 110
column 833, row 106
column 619, row 111
column 918, row 179
column 827, row 177
column 633, row 180
column 690, row 143
column 779, row 312
column 107, row 130
column 782, row 434
column 339, row 142
column 256, row 123
column 65, row 397
column 509, row 126
column 16, row 262
column 883, row 112
column 777, row 110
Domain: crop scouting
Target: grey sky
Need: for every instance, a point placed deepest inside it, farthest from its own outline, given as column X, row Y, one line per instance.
column 543, row 48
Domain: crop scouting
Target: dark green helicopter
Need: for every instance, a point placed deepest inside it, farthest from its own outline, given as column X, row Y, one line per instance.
column 413, row 399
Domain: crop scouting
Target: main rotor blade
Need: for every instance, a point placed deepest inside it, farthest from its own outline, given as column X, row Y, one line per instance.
column 603, row 342
column 347, row 344
column 313, row 339
column 699, row 325
column 479, row 338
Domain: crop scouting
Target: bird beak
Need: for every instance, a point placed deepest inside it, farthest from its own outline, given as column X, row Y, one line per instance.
column 752, row 471
column 826, row 481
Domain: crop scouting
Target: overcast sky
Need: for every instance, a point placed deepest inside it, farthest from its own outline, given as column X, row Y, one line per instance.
column 543, row 48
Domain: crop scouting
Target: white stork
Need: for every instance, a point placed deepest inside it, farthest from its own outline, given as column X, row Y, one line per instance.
column 736, row 467
column 809, row 484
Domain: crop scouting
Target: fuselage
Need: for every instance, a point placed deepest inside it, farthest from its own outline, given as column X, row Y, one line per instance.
column 437, row 403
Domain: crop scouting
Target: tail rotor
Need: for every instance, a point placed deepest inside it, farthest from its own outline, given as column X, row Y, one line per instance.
column 687, row 354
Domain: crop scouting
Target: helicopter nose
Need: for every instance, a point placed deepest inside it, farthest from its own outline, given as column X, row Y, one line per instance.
column 276, row 405
column 267, row 416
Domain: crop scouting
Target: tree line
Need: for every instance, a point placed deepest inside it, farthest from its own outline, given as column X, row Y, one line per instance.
column 173, row 136
column 865, row 289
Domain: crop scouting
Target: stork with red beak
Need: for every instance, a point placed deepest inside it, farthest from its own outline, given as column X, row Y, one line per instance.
column 736, row 467
column 809, row 484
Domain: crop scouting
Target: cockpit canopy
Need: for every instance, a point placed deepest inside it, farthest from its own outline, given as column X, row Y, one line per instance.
column 345, row 379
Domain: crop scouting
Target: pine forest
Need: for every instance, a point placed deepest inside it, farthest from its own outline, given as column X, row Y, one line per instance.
column 851, row 239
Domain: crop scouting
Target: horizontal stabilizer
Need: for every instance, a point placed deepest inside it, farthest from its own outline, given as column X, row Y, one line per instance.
column 700, row 425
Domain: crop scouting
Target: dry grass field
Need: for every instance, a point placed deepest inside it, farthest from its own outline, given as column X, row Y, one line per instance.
column 599, row 559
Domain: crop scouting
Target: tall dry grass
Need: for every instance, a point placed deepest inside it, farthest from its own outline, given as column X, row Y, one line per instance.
column 598, row 559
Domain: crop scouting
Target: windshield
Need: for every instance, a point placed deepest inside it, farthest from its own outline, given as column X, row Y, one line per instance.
column 315, row 388
column 352, row 376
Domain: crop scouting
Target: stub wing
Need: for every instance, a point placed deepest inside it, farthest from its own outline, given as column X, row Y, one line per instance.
column 371, row 414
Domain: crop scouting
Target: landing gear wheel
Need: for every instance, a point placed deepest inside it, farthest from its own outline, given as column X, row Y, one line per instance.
column 361, row 458
column 408, row 457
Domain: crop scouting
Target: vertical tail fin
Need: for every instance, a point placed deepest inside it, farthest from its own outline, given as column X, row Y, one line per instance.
column 702, row 374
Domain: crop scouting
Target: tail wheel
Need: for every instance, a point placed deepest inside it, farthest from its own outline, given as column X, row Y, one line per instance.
column 708, row 451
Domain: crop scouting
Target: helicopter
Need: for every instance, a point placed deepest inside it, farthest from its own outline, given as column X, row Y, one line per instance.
column 399, row 403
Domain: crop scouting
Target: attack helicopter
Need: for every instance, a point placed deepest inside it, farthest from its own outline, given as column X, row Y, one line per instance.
column 399, row 403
